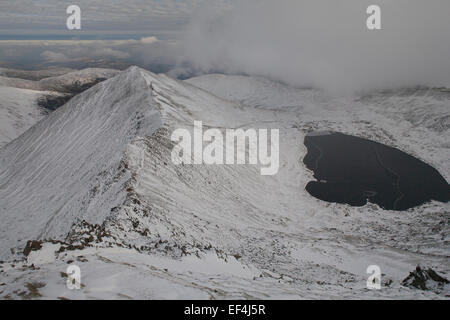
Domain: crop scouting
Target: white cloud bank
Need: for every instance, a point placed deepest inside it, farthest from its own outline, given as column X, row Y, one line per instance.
column 325, row 43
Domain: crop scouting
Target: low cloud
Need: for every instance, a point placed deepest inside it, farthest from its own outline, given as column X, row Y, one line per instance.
column 306, row 43
column 325, row 43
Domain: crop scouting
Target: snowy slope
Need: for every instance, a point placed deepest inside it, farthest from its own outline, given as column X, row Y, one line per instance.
column 19, row 110
column 198, row 231
column 24, row 102
column 251, row 91
column 48, row 175
column 416, row 120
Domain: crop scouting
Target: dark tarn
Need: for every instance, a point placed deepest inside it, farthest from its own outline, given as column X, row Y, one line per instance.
column 354, row 171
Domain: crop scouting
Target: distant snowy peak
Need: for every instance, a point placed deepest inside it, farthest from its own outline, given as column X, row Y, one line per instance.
column 72, row 82
column 78, row 81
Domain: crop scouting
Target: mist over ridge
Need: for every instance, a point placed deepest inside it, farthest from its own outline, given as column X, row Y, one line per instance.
column 325, row 43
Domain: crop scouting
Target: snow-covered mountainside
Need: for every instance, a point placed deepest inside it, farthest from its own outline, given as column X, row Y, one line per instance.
column 414, row 120
column 93, row 184
column 24, row 102
column 251, row 91
column 19, row 110
column 59, row 162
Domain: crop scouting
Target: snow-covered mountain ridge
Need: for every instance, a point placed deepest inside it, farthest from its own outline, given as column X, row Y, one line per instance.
column 65, row 153
column 95, row 179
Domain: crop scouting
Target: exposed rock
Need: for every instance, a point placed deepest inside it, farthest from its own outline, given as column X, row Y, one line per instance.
column 425, row 279
column 32, row 245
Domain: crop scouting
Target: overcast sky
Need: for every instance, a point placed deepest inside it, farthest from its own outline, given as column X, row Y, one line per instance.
column 326, row 43
column 319, row 43
column 162, row 18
